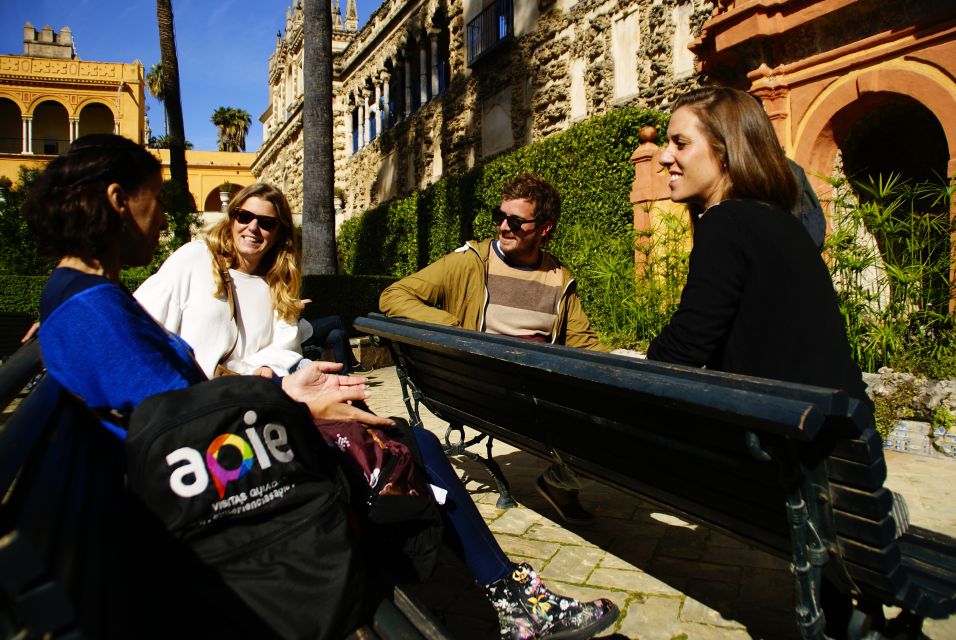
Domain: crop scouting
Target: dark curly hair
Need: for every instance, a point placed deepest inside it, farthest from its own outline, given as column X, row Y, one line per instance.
column 68, row 210
column 540, row 193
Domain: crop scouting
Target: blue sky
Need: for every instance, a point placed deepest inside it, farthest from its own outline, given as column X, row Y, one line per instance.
column 223, row 47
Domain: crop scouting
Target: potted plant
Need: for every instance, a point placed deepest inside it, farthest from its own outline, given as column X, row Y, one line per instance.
column 225, row 192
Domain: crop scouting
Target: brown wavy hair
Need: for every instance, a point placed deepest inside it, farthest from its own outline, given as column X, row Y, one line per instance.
column 279, row 267
column 743, row 140
column 540, row 193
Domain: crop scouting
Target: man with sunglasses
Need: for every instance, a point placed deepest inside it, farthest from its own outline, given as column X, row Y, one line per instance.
column 510, row 286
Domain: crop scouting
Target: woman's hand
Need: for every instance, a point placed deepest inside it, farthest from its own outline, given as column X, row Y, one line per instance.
column 329, row 396
column 265, row 372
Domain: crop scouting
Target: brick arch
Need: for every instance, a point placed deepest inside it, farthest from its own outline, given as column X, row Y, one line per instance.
column 88, row 101
column 831, row 114
column 15, row 99
column 48, row 97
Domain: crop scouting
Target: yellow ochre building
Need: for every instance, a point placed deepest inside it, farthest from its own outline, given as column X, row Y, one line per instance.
column 49, row 97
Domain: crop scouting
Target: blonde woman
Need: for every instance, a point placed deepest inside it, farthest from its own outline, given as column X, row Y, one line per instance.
column 250, row 258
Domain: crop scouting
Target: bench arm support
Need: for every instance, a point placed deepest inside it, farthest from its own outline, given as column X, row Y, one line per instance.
column 809, row 558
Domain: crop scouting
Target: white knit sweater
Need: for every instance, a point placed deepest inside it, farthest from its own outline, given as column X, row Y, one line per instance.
column 180, row 297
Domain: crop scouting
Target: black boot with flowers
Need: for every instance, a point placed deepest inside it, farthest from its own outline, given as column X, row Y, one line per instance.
column 528, row 609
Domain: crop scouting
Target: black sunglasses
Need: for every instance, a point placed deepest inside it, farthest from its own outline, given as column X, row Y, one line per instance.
column 266, row 223
column 514, row 222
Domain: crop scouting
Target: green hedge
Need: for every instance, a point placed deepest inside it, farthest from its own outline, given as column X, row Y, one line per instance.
column 590, row 166
column 21, row 293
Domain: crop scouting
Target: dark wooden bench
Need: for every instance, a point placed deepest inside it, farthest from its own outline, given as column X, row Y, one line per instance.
column 795, row 470
column 62, row 478
column 13, row 325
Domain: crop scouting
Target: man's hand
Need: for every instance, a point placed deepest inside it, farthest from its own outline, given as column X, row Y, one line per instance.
column 265, row 372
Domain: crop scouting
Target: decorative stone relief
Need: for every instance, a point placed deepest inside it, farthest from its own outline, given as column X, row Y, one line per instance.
column 570, row 60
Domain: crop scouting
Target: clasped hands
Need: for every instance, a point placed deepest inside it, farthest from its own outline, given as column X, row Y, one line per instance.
column 330, row 396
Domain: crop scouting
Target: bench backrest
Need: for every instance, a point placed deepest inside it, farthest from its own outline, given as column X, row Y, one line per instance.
column 13, row 325
column 720, row 449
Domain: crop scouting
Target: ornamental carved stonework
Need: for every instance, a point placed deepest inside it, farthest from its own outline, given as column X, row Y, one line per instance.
column 447, row 134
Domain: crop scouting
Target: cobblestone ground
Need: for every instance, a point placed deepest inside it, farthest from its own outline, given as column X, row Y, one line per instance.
column 671, row 579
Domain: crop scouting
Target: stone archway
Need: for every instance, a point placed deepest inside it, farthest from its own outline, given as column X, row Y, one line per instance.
column 829, row 119
column 897, row 118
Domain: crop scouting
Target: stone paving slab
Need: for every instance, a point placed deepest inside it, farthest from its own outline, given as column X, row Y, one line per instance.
column 672, row 579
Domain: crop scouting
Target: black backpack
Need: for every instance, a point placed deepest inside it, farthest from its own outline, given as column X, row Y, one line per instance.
column 240, row 517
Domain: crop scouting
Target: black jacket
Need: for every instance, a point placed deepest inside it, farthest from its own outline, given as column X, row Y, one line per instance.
column 759, row 301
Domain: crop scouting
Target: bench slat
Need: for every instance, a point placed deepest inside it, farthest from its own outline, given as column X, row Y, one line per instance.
column 865, row 531
column 872, row 505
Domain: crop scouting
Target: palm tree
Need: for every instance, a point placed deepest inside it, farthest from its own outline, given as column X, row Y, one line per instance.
column 154, row 84
column 233, row 125
column 174, row 109
column 318, row 217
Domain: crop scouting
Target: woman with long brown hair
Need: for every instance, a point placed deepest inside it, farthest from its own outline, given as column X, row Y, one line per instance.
column 758, row 300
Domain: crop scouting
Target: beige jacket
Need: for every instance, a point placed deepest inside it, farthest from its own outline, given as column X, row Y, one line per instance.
column 453, row 291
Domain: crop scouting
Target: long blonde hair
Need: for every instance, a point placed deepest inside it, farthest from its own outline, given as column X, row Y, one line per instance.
column 279, row 266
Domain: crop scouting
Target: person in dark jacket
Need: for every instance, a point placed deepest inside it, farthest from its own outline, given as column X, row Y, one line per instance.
column 758, row 300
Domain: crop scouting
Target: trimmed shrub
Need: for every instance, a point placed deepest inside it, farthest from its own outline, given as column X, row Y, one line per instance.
column 21, row 293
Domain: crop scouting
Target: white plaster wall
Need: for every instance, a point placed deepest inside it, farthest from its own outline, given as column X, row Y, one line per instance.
column 579, row 98
column 438, row 166
column 683, row 58
column 526, row 16
column 496, row 130
column 625, row 46
column 387, row 178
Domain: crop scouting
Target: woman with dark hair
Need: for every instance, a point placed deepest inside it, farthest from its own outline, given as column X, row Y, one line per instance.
column 758, row 299
column 97, row 208
column 233, row 297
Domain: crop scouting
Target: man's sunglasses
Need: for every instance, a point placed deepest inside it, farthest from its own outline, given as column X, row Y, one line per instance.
column 514, row 222
column 266, row 223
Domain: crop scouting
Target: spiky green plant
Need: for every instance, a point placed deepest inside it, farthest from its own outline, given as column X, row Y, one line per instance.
column 889, row 258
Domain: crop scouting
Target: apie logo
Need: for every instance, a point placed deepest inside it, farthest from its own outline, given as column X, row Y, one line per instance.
column 191, row 479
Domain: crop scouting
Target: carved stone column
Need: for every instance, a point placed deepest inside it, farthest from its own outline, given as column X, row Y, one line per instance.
column 368, row 119
column 360, row 117
column 408, row 86
column 27, row 134
column 378, row 109
column 349, row 144
column 386, row 78
column 433, row 37
column 423, row 73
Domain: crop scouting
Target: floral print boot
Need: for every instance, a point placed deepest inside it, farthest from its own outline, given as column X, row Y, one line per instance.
column 528, row 609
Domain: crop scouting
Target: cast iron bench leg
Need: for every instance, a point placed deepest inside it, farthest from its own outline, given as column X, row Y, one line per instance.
column 412, row 398
column 460, row 448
